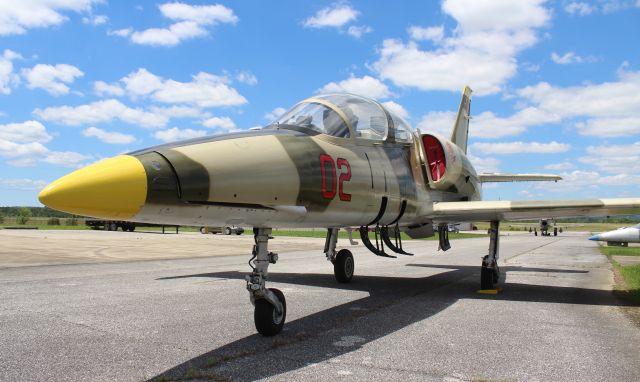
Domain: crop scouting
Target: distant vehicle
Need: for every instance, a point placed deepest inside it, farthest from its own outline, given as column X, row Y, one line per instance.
column 227, row 230
column 110, row 225
column 620, row 237
column 125, row 226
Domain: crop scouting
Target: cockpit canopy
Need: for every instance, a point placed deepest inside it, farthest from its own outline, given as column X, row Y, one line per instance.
column 345, row 116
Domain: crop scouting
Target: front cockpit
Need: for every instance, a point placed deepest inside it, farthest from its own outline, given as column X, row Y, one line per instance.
column 346, row 116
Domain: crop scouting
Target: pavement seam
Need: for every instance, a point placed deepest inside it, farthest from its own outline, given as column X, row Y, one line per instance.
column 507, row 260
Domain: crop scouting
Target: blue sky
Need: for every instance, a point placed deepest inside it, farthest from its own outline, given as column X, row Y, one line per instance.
column 556, row 83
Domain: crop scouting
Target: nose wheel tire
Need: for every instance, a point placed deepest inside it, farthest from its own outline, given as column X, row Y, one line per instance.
column 268, row 321
column 343, row 266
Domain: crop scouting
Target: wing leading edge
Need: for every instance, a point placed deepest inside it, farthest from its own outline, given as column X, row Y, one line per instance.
column 531, row 209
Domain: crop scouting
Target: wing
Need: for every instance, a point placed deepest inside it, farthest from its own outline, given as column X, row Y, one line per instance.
column 531, row 209
column 501, row 177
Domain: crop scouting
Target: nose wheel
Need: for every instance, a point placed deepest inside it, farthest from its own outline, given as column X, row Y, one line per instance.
column 268, row 320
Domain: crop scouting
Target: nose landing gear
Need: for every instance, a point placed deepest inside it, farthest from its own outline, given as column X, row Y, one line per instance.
column 269, row 304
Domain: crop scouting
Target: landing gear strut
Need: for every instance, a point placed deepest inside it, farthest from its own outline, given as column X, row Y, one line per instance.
column 490, row 273
column 343, row 263
column 270, row 305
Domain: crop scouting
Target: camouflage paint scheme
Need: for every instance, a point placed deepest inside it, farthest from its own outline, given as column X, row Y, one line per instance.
column 274, row 178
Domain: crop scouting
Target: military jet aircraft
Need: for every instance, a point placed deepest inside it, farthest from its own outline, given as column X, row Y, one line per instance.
column 547, row 227
column 620, row 237
column 333, row 161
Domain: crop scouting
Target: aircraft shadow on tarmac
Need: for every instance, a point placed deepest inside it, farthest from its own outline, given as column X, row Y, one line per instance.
column 256, row 357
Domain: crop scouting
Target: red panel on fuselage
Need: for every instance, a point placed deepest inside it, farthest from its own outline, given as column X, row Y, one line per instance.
column 436, row 159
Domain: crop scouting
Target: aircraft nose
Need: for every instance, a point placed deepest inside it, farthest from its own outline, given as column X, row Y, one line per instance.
column 115, row 188
column 595, row 238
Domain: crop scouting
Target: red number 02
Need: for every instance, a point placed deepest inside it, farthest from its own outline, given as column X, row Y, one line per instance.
column 345, row 176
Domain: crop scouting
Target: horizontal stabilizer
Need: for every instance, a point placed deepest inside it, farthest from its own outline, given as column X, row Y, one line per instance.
column 502, row 177
column 531, row 209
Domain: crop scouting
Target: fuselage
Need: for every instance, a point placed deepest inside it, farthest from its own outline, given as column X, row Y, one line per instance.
column 287, row 176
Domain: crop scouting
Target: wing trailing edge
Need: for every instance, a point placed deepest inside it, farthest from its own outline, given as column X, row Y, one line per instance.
column 503, row 177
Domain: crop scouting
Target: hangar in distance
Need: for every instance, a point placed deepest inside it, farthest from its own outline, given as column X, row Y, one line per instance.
column 333, row 161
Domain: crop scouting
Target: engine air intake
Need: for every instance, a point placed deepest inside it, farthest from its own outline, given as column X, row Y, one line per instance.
column 436, row 159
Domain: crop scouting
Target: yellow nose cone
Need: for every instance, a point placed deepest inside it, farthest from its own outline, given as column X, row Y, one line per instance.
column 114, row 188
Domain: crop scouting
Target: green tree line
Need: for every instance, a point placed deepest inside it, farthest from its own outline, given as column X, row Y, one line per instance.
column 36, row 212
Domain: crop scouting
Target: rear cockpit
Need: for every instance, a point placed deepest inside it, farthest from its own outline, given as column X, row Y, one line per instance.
column 346, row 116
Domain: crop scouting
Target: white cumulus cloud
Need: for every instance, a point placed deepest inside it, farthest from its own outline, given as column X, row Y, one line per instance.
column 111, row 137
column 51, row 78
column 570, row 58
column 102, row 88
column 25, row 184
column 247, row 78
column 142, row 82
column 358, row 31
column 65, row 158
column 190, row 21
column 434, row 34
column 22, row 145
column 613, row 159
column 8, row 78
column 507, row 148
column 25, row 132
column 175, row 134
column 608, row 109
column 560, row 166
column 481, row 51
column 101, row 112
column 366, row 86
column 205, row 90
column 95, row 19
column 335, row 16
column 579, row 8
column 397, row 109
column 275, row 114
column 219, row 123
column 16, row 17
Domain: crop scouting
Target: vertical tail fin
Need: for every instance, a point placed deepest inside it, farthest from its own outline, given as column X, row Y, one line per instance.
column 460, row 132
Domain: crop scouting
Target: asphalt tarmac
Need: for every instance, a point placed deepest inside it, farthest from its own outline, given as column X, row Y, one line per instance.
column 412, row 318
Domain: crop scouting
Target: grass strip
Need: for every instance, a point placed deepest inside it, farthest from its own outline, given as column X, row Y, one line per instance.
column 620, row 251
column 630, row 273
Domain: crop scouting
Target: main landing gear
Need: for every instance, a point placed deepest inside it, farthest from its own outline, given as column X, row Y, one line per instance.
column 270, row 305
column 490, row 273
column 343, row 264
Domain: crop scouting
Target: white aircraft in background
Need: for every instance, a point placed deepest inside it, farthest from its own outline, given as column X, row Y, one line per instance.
column 620, row 237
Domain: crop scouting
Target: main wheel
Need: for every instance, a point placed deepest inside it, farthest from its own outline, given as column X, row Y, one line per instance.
column 113, row 227
column 486, row 278
column 343, row 266
column 268, row 321
column 555, row 232
column 227, row 231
